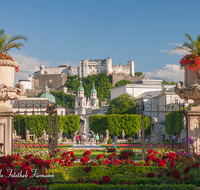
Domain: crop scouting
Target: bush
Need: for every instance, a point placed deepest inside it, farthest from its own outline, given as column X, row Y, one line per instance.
column 64, row 139
column 67, row 123
column 115, row 123
column 109, row 141
column 100, row 171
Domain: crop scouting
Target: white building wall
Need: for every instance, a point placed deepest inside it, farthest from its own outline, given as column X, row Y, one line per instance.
column 134, row 89
column 26, row 84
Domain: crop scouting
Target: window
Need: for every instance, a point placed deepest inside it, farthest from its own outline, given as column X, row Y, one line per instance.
column 176, row 101
column 61, row 112
column 79, row 104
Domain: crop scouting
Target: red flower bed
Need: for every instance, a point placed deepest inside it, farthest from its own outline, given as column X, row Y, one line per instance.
column 192, row 60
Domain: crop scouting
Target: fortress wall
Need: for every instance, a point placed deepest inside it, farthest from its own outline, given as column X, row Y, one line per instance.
column 53, row 81
column 117, row 77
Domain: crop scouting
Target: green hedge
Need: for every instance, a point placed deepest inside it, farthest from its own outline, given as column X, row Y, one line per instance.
column 68, row 123
column 116, row 180
column 98, row 172
column 115, row 123
column 120, row 187
column 174, row 122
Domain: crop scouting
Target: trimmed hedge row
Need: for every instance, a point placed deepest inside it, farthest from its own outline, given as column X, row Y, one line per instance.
column 98, row 172
column 120, row 187
column 67, row 123
column 117, row 180
column 174, row 122
column 115, row 123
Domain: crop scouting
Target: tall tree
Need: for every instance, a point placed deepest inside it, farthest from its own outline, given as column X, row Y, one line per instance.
column 7, row 42
column 193, row 46
column 123, row 104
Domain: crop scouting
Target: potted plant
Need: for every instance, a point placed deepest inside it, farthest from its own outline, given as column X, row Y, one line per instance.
column 7, row 64
column 191, row 61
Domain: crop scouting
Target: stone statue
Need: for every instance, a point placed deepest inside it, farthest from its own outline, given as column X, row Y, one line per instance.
column 190, row 92
column 107, row 135
column 44, row 135
column 139, row 136
column 156, row 134
column 11, row 92
column 14, row 134
column 27, row 134
column 123, row 134
column 60, row 136
column 74, row 137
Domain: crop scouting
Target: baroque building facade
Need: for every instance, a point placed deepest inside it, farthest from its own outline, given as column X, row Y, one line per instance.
column 85, row 107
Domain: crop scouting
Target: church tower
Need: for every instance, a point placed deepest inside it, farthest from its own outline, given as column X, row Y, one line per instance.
column 93, row 97
column 80, row 101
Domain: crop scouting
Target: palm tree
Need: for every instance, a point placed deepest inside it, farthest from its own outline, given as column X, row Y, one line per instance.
column 193, row 46
column 7, row 42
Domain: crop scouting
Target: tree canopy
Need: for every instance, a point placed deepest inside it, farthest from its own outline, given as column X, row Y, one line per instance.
column 65, row 100
column 7, row 42
column 193, row 46
column 72, row 82
column 102, row 84
column 123, row 82
column 123, row 104
column 138, row 73
column 170, row 83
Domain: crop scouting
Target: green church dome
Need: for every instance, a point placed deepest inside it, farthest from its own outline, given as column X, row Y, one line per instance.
column 80, row 88
column 93, row 90
column 47, row 95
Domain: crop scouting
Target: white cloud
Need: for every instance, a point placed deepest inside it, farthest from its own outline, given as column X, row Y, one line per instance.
column 169, row 73
column 27, row 65
column 178, row 52
column 174, row 44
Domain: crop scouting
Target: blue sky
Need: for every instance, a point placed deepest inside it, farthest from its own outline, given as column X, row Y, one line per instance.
column 143, row 31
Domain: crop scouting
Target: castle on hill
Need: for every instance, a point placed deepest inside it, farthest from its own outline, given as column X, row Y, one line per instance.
column 56, row 77
column 90, row 67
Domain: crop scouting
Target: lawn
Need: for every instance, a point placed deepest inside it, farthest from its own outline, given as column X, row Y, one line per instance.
column 64, row 146
column 79, row 154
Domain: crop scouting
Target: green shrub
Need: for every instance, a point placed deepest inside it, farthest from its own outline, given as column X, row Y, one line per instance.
column 98, row 172
column 59, row 174
column 67, row 123
column 64, row 139
column 115, row 123
column 109, row 141
column 82, row 186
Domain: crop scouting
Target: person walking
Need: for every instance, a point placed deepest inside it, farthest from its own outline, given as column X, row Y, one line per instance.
column 91, row 138
column 97, row 139
column 81, row 139
column 173, row 139
column 77, row 139
column 115, row 141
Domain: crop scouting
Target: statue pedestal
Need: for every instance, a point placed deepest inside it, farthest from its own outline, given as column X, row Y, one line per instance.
column 7, row 92
column 6, row 131
column 193, row 116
